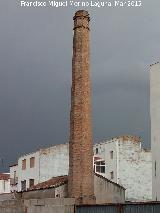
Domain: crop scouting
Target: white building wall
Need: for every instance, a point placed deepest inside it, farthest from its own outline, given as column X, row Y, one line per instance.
column 132, row 166
column 4, row 186
column 28, row 173
column 54, row 161
column 135, row 170
column 13, row 184
column 155, row 128
column 104, row 149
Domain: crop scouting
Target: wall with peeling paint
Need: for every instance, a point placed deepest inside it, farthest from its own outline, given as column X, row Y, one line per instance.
column 54, row 161
column 131, row 165
column 135, row 171
column 49, row 162
column 28, row 173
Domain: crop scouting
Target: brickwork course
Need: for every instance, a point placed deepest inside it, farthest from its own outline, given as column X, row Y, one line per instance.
column 81, row 177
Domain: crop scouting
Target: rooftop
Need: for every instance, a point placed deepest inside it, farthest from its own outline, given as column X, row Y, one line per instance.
column 60, row 180
column 122, row 137
column 4, row 176
column 51, row 183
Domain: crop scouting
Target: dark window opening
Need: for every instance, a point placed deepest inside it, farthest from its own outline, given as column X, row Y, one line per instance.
column 24, row 164
column 32, row 162
column 31, row 182
column 111, row 154
column 23, row 185
column 99, row 166
column 112, row 175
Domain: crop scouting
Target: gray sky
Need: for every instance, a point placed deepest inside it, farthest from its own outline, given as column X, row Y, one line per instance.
column 35, row 73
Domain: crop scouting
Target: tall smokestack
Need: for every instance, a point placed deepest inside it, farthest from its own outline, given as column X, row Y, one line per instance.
column 81, row 177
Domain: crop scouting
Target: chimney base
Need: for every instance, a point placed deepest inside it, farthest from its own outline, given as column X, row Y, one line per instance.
column 86, row 200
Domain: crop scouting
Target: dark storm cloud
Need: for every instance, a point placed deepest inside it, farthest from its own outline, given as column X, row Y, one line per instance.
column 35, row 73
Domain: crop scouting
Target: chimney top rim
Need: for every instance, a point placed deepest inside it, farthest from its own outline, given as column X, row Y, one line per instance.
column 81, row 13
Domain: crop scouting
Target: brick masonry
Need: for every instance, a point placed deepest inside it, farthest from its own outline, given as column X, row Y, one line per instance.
column 81, row 178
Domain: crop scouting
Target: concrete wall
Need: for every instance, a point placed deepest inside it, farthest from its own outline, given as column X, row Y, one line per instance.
column 11, row 206
column 52, row 205
column 135, row 170
column 54, row 161
column 28, row 173
column 155, row 128
column 7, row 196
column 39, row 194
column 57, row 205
column 60, row 192
column 107, row 191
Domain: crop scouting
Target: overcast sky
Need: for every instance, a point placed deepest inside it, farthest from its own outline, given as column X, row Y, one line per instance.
column 35, row 73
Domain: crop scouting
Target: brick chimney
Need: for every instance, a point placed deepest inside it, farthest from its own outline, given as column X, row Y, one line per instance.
column 81, row 177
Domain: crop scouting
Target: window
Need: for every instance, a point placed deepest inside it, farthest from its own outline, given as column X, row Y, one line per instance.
column 31, row 182
column 99, row 166
column 32, row 162
column 112, row 175
column 23, row 185
column 96, row 150
column 24, row 164
column 111, row 154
